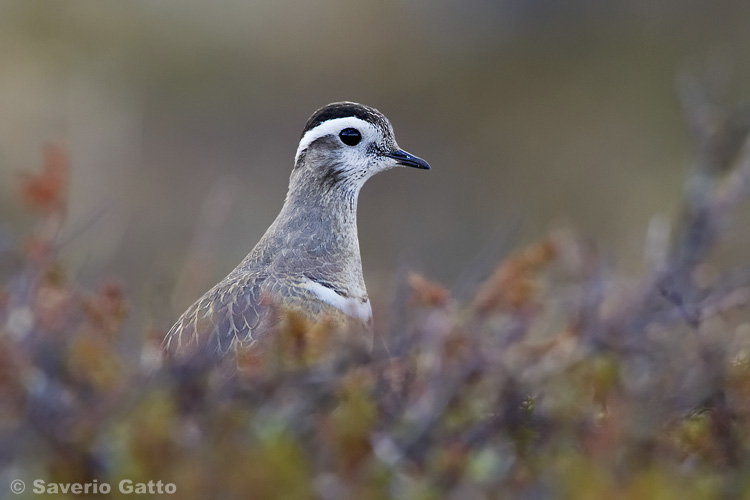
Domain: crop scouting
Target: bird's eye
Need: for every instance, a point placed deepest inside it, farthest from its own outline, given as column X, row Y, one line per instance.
column 350, row 136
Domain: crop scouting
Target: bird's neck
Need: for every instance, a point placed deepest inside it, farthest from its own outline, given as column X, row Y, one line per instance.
column 313, row 218
column 316, row 233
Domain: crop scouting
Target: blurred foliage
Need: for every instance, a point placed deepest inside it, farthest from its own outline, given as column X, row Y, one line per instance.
column 559, row 378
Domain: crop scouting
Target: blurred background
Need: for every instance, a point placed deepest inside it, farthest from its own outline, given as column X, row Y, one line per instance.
column 182, row 119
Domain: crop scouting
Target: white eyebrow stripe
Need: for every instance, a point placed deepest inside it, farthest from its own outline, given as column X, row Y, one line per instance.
column 330, row 127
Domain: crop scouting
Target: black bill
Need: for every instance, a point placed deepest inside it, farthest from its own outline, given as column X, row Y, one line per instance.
column 408, row 160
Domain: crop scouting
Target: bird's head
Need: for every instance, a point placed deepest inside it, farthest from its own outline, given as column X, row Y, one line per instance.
column 345, row 143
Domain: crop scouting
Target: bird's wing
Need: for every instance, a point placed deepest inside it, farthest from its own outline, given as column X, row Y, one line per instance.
column 231, row 313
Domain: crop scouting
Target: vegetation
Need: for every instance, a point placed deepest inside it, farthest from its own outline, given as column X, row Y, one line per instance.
column 560, row 378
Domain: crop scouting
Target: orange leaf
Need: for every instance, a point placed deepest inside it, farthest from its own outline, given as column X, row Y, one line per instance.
column 46, row 191
column 514, row 283
column 427, row 293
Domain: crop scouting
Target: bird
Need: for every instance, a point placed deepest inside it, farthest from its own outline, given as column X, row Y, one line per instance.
column 308, row 260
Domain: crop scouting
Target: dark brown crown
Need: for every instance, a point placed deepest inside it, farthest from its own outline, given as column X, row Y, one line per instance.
column 346, row 109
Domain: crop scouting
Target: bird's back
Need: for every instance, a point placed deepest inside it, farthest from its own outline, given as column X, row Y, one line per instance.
column 234, row 311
